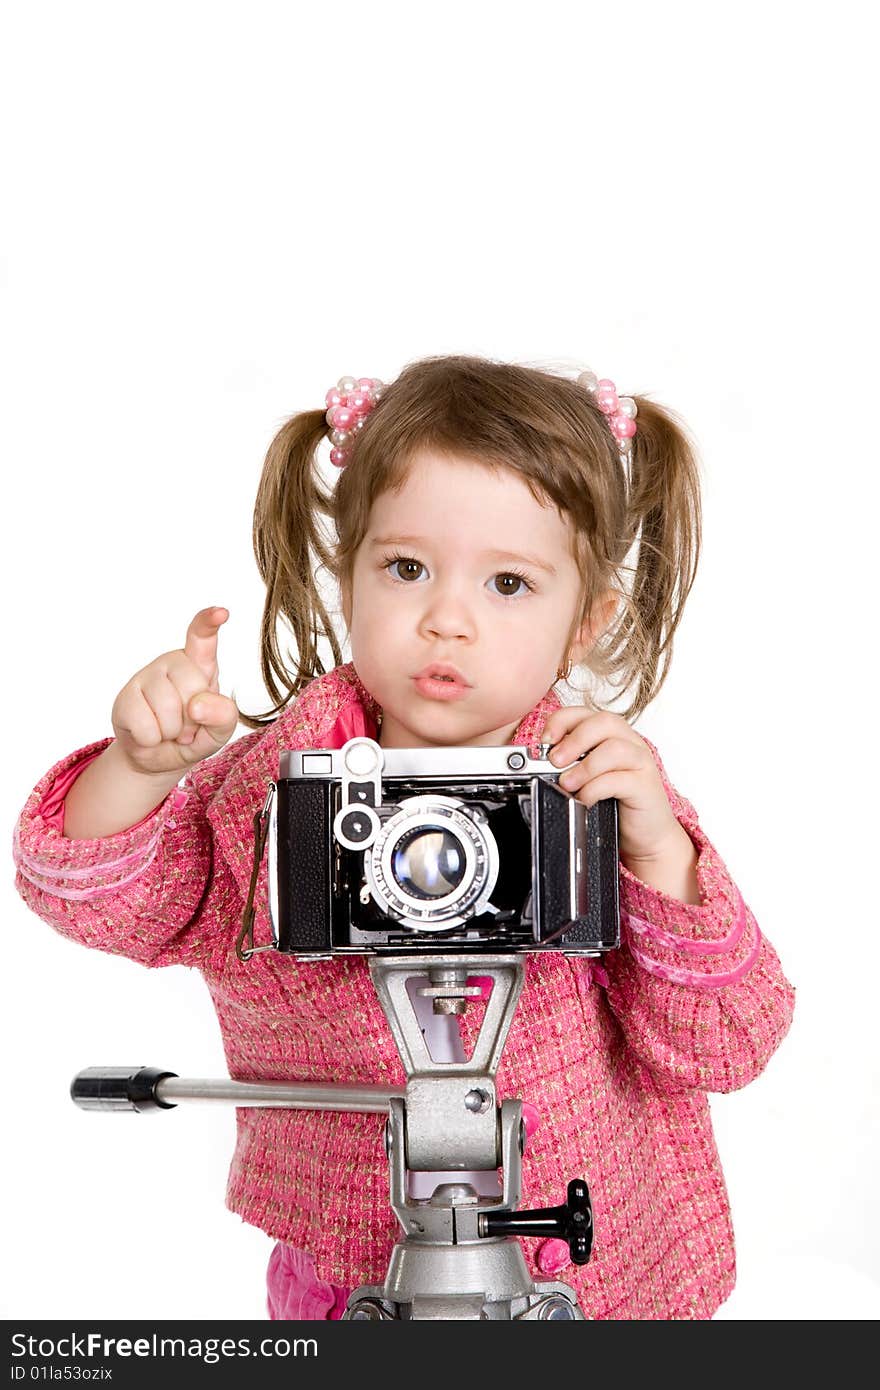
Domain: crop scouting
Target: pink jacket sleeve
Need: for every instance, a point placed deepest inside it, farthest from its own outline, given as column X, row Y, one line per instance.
column 696, row 988
column 137, row 893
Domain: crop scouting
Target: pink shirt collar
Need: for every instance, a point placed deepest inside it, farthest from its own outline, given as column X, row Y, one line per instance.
column 360, row 717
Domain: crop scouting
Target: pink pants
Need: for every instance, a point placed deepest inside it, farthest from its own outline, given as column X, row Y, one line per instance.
column 295, row 1293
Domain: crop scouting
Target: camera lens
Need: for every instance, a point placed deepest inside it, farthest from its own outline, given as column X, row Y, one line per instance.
column 428, row 862
column 433, row 865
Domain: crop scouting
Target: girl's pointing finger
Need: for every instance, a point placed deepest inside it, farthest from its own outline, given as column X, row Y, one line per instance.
column 201, row 638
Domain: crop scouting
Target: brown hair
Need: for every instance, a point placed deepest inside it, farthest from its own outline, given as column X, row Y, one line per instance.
column 543, row 426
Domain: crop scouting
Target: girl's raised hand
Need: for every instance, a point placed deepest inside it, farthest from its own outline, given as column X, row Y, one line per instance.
column 614, row 762
column 171, row 714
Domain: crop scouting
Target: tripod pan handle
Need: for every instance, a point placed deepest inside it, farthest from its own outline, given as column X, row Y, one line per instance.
column 119, row 1088
column 573, row 1222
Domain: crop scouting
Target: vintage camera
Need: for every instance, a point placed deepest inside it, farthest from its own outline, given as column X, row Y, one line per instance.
column 402, row 850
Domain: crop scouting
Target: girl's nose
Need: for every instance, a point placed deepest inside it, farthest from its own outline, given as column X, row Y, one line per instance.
column 447, row 616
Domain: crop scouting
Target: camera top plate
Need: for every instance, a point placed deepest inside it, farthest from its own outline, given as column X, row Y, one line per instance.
column 508, row 760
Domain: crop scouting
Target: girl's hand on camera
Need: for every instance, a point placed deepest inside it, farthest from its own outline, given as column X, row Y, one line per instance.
column 171, row 714
column 615, row 762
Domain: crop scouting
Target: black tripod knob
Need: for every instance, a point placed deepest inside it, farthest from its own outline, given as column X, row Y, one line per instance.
column 573, row 1222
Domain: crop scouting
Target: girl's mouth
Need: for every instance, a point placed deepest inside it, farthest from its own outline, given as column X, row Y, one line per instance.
column 440, row 687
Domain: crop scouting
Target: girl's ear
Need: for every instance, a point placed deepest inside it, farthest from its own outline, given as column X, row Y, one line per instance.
column 601, row 617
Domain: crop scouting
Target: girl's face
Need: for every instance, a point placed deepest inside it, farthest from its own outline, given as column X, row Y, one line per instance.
column 462, row 566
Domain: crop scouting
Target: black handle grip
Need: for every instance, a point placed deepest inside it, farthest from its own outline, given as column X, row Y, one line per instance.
column 119, row 1088
column 573, row 1222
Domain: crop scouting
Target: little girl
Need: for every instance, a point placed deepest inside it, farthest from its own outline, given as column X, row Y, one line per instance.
column 493, row 527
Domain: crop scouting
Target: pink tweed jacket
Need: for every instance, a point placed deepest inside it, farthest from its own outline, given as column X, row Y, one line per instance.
column 693, row 1001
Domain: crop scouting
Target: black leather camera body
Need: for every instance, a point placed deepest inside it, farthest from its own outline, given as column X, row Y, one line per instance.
column 404, row 850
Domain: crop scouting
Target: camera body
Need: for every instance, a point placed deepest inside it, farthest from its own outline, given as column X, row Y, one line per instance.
column 408, row 850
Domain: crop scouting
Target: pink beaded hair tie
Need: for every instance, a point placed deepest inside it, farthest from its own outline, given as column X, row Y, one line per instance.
column 620, row 410
column 349, row 403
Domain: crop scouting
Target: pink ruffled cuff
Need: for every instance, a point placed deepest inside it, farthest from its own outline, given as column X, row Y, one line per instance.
column 709, row 944
column 80, row 870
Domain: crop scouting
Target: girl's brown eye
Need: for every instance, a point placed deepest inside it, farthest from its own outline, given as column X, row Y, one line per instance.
column 510, row 582
column 409, row 568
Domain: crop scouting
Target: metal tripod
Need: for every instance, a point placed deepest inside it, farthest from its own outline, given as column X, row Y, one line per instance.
column 458, row 1256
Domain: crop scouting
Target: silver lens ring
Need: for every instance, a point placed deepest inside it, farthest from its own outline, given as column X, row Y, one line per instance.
column 467, row 898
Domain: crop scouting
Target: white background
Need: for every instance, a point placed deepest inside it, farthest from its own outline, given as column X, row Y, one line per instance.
column 212, row 212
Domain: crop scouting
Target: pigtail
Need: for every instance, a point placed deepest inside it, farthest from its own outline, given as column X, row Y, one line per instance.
column 288, row 540
column 664, row 519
